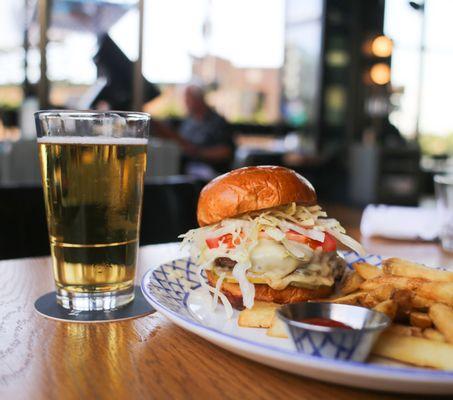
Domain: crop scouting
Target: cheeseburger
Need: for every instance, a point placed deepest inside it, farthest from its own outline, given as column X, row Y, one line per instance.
column 263, row 237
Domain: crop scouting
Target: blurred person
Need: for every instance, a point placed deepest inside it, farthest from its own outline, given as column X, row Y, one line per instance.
column 204, row 137
column 391, row 135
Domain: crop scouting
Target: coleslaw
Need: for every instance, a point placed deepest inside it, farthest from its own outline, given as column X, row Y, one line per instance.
column 235, row 238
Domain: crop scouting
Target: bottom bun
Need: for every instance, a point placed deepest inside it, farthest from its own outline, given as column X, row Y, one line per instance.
column 291, row 294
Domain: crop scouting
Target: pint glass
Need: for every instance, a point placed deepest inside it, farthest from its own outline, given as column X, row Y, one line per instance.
column 92, row 167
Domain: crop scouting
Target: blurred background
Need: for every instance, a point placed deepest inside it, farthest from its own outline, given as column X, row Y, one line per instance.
column 353, row 94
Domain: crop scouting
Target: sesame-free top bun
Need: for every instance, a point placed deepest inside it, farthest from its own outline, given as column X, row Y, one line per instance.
column 250, row 189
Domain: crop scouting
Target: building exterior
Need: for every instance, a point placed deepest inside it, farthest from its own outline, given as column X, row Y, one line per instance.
column 240, row 94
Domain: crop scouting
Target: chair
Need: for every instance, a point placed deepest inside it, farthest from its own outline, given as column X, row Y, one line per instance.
column 163, row 158
column 23, row 219
column 169, row 209
column 20, row 164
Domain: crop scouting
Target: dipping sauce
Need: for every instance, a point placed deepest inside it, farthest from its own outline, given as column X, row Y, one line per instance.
column 331, row 323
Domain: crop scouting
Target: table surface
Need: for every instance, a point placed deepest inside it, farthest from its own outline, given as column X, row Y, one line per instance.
column 148, row 357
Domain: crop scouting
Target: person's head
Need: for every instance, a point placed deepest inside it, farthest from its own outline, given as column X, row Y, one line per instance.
column 194, row 99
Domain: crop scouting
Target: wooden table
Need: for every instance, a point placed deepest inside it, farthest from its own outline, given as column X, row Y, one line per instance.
column 148, row 357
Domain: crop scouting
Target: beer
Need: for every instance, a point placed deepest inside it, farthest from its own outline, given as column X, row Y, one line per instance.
column 93, row 191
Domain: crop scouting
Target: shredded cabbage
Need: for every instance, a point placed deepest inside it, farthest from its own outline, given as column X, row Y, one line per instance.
column 310, row 233
column 245, row 230
column 299, row 250
column 275, row 233
column 247, row 288
column 218, row 285
column 217, row 292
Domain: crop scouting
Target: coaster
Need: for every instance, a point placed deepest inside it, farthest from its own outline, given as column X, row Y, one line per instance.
column 48, row 307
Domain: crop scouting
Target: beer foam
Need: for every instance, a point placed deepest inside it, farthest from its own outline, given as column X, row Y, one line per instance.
column 92, row 140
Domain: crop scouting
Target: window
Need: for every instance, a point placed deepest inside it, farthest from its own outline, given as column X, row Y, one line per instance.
column 206, row 41
column 11, row 66
column 210, row 42
column 11, row 51
column 422, row 62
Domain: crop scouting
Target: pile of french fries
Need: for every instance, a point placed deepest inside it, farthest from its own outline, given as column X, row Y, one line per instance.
column 418, row 299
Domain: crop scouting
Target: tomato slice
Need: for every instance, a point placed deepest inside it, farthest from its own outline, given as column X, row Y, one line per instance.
column 213, row 243
column 329, row 244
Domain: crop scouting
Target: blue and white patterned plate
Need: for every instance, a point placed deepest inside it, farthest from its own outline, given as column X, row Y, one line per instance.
column 173, row 289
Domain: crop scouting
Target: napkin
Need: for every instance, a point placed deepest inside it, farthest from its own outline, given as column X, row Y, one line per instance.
column 398, row 222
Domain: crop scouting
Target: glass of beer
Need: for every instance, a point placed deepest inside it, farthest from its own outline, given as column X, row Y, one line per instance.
column 92, row 166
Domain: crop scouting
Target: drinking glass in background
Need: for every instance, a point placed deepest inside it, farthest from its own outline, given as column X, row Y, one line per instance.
column 444, row 197
column 92, row 166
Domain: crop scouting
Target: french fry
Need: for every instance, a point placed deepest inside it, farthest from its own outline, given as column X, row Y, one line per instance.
column 352, row 299
column 422, row 320
column 351, row 283
column 383, row 292
column 277, row 328
column 420, row 302
column 400, row 267
column 368, row 301
column 403, row 298
column 433, row 334
column 442, row 317
column 440, row 292
column 388, row 307
column 367, row 271
column 404, row 330
column 410, row 293
column 398, row 282
column 259, row 316
column 415, row 350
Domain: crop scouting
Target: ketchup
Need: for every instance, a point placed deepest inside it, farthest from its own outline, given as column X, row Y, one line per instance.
column 331, row 323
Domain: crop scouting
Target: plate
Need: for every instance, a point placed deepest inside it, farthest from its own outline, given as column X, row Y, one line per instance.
column 173, row 289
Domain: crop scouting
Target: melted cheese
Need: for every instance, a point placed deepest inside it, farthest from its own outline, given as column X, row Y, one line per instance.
column 273, row 265
column 271, row 259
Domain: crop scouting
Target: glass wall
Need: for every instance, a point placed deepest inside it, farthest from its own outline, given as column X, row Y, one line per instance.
column 207, row 42
column 210, row 42
column 12, row 67
column 301, row 73
column 422, row 62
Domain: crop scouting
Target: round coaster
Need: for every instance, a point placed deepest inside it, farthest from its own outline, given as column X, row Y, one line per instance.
column 48, row 307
